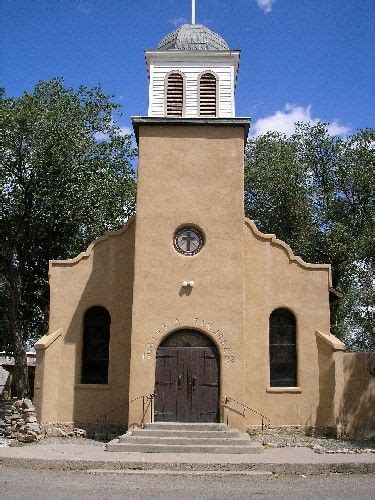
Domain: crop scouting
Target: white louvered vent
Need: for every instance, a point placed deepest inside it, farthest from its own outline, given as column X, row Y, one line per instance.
column 175, row 95
column 207, row 95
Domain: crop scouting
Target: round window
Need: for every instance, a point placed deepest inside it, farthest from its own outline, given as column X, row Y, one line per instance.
column 188, row 240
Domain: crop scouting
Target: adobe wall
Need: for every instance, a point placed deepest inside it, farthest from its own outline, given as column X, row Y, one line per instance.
column 101, row 276
column 275, row 278
column 194, row 175
column 356, row 412
column 188, row 175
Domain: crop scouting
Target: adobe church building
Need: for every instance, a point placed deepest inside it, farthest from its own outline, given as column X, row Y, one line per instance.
column 189, row 313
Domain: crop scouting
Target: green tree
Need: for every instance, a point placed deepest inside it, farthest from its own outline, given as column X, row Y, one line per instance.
column 315, row 191
column 61, row 186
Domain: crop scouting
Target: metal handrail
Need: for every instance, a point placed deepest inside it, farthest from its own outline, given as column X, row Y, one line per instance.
column 228, row 399
column 145, row 398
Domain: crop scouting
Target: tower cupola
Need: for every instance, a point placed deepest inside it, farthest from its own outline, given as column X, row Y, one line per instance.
column 192, row 74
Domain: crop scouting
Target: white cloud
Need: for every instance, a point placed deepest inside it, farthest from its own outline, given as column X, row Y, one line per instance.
column 125, row 131
column 101, row 136
column 335, row 128
column 284, row 121
column 265, row 5
column 176, row 21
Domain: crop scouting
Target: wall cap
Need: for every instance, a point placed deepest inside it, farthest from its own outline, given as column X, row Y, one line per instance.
column 284, row 390
column 47, row 340
column 333, row 342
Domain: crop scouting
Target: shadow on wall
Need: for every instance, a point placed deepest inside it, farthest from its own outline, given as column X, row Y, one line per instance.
column 110, row 285
column 325, row 413
column 357, row 407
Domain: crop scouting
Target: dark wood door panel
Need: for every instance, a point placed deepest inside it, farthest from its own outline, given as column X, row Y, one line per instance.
column 208, row 386
column 187, row 384
column 165, row 385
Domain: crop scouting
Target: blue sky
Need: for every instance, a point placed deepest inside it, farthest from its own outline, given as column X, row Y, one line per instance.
column 300, row 59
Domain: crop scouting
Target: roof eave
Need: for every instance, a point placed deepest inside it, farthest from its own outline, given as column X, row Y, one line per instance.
column 185, row 54
column 238, row 121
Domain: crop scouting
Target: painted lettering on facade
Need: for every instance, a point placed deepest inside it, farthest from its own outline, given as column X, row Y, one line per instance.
column 198, row 323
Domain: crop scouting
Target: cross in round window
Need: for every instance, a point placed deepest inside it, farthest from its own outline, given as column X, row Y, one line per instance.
column 188, row 240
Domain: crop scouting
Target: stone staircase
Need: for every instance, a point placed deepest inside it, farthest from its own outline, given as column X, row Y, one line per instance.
column 174, row 437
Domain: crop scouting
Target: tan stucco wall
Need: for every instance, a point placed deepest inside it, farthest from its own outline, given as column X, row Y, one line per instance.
column 101, row 276
column 194, row 175
column 47, row 373
column 275, row 278
column 356, row 412
column 188, row 175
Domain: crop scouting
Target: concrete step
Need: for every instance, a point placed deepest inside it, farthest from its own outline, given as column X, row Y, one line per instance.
column 176, row 437
column 249, row 447
column 184, row 433
column 187, row 426
column 183, row 441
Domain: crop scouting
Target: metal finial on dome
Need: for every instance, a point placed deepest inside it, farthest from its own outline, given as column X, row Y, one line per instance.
column 192, row 11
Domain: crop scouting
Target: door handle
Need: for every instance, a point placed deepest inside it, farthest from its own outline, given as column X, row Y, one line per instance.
column 193, row 382
column 179, row 382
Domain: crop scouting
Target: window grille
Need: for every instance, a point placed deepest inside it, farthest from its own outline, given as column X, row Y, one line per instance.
column 282, row 345
column 207, row 95
column 175, row 94
column 95, row 351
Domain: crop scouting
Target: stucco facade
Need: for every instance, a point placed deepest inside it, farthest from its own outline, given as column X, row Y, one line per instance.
column 190, row 174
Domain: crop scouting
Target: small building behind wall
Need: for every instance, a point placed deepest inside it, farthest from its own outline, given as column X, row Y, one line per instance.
column 189, row 312
column 6, row 374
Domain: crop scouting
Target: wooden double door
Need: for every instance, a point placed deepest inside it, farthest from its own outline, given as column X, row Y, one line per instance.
column 187, row 380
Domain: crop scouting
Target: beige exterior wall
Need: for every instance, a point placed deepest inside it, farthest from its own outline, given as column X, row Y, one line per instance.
column 193, row 175
column 188, row 175
column 103, row 275
column 356, row 411
column 48, row 356
column 275, row 278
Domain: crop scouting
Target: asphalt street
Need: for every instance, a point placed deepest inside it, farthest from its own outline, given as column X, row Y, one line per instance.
column 45, row 484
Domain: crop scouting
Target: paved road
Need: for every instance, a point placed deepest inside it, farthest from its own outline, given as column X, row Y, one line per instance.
column 43, row 484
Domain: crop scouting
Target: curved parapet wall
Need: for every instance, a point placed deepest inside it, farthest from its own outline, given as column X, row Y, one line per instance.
column 273, row 240
column 100, row 276
column 275, row 278
column 86, row 254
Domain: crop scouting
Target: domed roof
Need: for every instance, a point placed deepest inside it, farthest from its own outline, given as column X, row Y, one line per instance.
column 192, row 37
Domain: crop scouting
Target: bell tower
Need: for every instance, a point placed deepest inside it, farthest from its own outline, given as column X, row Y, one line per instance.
column 189, row 251
column 192, row 73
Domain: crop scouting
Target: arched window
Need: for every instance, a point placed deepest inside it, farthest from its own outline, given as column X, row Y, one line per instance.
column 207, row 94
column 283, row 355
column 174, row 94
column 95, row 350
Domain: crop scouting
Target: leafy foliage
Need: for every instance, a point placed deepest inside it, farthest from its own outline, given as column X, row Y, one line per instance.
column 60, row 188
column 315, row 191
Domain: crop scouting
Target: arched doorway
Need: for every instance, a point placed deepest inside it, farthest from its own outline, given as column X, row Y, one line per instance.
column 187, row 379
